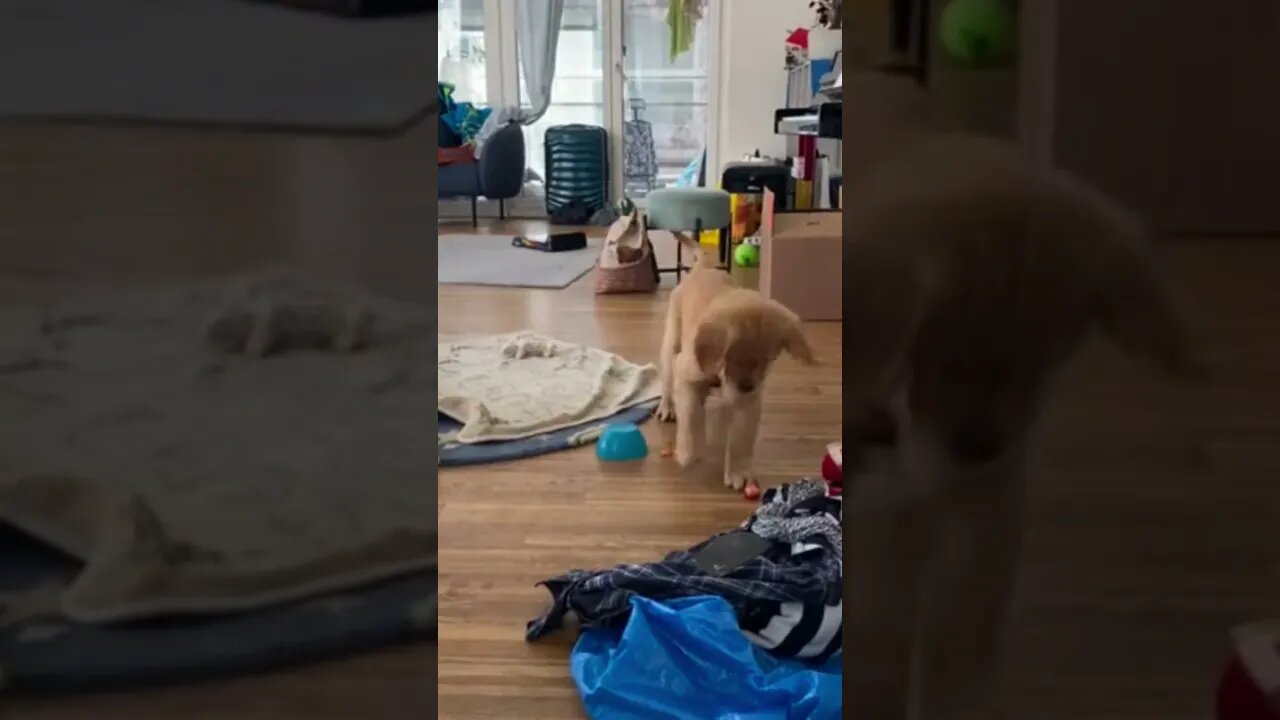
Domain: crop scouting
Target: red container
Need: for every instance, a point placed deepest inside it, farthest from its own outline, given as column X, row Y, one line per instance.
column 1250, row 684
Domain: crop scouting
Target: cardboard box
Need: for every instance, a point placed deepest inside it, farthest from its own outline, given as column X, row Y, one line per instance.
column 801, row 259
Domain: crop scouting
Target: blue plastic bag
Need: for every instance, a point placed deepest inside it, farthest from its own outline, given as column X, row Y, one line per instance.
column 687, row 659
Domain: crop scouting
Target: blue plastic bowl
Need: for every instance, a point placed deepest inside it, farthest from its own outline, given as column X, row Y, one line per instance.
column 621, row 442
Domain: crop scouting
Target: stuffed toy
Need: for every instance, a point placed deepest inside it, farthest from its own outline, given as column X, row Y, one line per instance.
column 833, row 469
column 268, row 318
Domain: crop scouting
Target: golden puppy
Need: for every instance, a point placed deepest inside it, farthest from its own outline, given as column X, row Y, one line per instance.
column 719, row 336
column 971, row 276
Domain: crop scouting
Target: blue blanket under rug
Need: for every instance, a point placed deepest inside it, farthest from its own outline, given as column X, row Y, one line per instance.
column 52, row 655
column 452, row 453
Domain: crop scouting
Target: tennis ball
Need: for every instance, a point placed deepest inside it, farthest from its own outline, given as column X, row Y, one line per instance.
column 746, row 255
column 978, row 32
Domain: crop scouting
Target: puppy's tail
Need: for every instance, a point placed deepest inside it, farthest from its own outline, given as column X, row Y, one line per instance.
column 704, row 259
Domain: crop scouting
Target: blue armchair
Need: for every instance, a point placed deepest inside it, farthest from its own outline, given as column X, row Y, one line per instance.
column 497, row 175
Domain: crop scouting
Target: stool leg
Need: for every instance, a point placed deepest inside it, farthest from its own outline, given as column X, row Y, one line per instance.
column 697, row 236
column 679, row 258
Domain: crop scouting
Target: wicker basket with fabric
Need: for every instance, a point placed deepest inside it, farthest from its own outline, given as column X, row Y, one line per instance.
column 627, row 263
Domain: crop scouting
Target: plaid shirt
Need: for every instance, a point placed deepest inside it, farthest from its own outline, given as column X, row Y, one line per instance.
column 781, row 575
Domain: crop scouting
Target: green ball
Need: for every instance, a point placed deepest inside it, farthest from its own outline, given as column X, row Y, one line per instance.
column 978, row 32
column 746, row 255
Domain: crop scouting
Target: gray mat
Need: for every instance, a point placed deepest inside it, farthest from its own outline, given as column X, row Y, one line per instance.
column 213, row 62
column 491, row 260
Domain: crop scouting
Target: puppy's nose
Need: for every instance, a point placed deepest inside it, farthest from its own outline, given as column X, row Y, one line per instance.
column 746, row 386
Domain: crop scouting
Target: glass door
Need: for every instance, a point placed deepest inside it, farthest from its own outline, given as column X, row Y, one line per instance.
column 665, row 107
column 460, row 49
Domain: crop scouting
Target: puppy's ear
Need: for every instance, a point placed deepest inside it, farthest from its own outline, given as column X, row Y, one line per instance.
column 797, row 345
column 792, row 332
column 886, row 295
column 1138, row 315
column 710, row 344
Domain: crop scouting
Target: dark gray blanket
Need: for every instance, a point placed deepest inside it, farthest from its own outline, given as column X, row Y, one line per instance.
column 213, row 62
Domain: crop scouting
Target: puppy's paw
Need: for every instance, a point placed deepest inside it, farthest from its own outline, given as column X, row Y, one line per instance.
column 687, row 456
column 666, row 411
column 738, row 479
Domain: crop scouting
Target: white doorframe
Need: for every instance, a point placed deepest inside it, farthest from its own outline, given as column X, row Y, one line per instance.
column 715, row 36
column 615, row 92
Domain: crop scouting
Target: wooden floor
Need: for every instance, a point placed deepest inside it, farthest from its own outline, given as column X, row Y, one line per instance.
column 1156, row 508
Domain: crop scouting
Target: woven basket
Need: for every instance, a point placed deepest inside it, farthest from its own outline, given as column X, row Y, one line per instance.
column 636, row 274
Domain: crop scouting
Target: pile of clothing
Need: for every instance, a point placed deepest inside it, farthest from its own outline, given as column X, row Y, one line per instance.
column 744, row 624
column 787, row 598
column 460, row 122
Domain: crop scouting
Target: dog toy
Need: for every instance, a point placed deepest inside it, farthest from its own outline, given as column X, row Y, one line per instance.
column 621, row 442
column 747, row 254
column 273, row 315
column 978, row 32
column 833, row 468
column 751, row 491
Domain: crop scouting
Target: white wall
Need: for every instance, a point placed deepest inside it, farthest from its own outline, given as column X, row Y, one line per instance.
column 753, row 81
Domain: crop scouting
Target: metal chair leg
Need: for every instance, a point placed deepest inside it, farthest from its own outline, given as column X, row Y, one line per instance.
column 679, row 257
column 475, row 215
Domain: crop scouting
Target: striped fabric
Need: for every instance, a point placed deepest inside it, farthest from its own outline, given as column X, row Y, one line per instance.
column 805, row 515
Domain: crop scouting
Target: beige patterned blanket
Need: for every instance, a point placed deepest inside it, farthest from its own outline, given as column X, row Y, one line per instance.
column 189, row 479
column 507, row 387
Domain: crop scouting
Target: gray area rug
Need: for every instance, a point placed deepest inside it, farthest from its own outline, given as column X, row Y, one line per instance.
column 213, row 62
column 190, row 480
column 492, row 260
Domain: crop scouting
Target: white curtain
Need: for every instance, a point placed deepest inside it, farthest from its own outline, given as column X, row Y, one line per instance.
column 537, row 39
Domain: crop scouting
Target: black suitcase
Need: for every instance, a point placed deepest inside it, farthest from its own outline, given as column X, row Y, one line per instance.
column 577, row 160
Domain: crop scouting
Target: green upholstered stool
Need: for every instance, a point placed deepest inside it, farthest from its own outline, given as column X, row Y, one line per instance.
column 681, row 209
